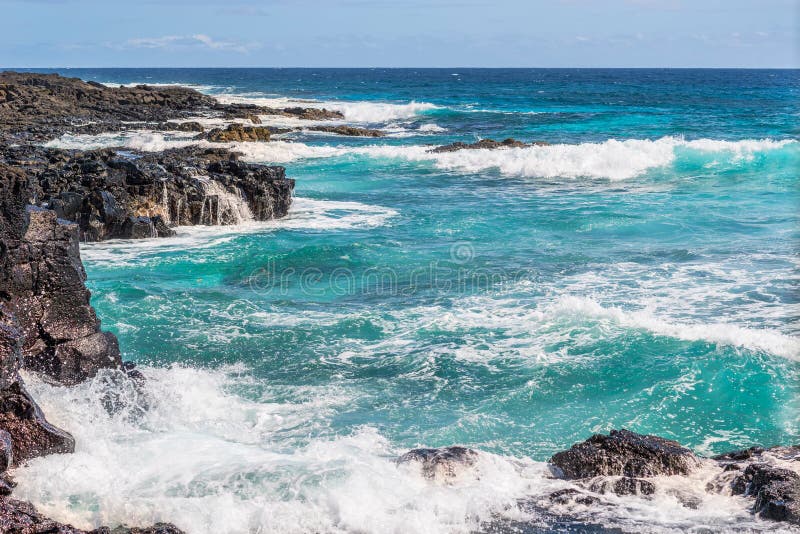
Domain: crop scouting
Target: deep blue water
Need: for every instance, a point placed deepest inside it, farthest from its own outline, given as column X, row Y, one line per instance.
column 639, row 272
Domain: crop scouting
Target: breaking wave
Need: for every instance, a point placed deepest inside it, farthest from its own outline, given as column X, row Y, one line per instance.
column 612, row 159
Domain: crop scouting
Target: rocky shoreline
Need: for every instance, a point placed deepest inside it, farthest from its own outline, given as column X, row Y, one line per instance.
column 625, row 463
column 52, row 199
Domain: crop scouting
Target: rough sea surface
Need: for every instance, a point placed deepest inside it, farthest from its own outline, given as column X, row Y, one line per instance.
column 642, row 271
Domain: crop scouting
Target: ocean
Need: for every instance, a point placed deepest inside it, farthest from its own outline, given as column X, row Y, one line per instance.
column 641, row 271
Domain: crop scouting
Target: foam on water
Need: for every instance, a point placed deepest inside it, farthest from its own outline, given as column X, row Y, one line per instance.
column 304, row 214
column 189, row 450
column 612, row 159
column 359, row 111
column 214, row 462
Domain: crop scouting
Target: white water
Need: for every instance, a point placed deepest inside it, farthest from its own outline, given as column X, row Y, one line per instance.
column 212, row 461
column 356, row 111
column 612, row 159
column 228, row 206
column 304, row 214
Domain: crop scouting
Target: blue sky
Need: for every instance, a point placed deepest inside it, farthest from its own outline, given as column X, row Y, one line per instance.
column 400, row 33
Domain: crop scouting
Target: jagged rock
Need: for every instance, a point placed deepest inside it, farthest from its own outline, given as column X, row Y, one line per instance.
column 188, row 126
column 6, row 451
column 314, row 114
column 113, row 196
column 776, row 491
column 348, row 130
column 42, row 286
column 158, row 528
column 41, row 106
column 251, row 112
column 486, row 144
column 238, row 133
column 30, row 433
column 19, row 517
column 570, row 495
column 442, row 464
column 623, row 486
column 625, row 453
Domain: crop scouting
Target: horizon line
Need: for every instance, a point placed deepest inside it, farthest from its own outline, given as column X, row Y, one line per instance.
column 408, row 68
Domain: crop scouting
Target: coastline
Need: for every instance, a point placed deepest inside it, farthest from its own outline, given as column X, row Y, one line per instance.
column 74, row 352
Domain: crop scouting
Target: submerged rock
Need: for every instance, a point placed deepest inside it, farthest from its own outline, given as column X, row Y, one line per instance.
column 314, row 114
column 625, row 453
column 239, row 133
column 489, row 144
column 348, row 130
column 623, row 486
column 31, row 435
column 23, row 518
column 776, row 491
column 442, row 464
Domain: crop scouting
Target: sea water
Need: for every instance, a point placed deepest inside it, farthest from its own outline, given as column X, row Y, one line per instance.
column 641, row 271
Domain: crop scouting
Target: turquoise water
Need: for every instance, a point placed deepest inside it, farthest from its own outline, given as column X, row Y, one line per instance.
column 641, row 272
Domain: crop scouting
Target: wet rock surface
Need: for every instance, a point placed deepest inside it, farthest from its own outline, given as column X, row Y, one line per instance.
column 41, row 106
column 348, row 130
column 625, row 453
column 440, row 464
column 770, row 476
column 239, row 133
column 489, row 144
column 43, row 292
column 113, row 196
column 19, row 517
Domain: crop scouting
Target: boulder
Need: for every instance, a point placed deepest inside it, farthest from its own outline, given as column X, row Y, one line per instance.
column 776, row 491
column 31, row 435
column 624, row 453
column 239, row 134
column 348, row 130
column 488, row 144
column 442, row 464
column 19, row 517
column 49, row 325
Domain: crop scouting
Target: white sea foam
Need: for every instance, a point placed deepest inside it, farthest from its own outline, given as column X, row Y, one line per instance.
column 304, row 214
column 612, row 159
column 213, row 462
column 760, row 339
column 355, row 111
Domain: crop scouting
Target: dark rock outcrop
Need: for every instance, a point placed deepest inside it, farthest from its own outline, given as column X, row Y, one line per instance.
column 485, row 144
column 112, row 196
column 442, row 464
column 313, row 114
column 30, row 434
column 348, row 130
column 39, row 107
column 776, row 491
column 625, row 453
column 238, row 133
column 42, row 106
column 42, row 287
column 19, row 517
column 762, row 474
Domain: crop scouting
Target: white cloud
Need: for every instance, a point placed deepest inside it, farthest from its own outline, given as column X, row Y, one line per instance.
column 198, row 40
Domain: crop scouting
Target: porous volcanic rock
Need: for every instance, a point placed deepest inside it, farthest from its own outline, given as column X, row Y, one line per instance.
column 238, row 133
column 489, row 144
column 348, row 130
column 441, row 464
column 625, row 453
column 111, row 195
